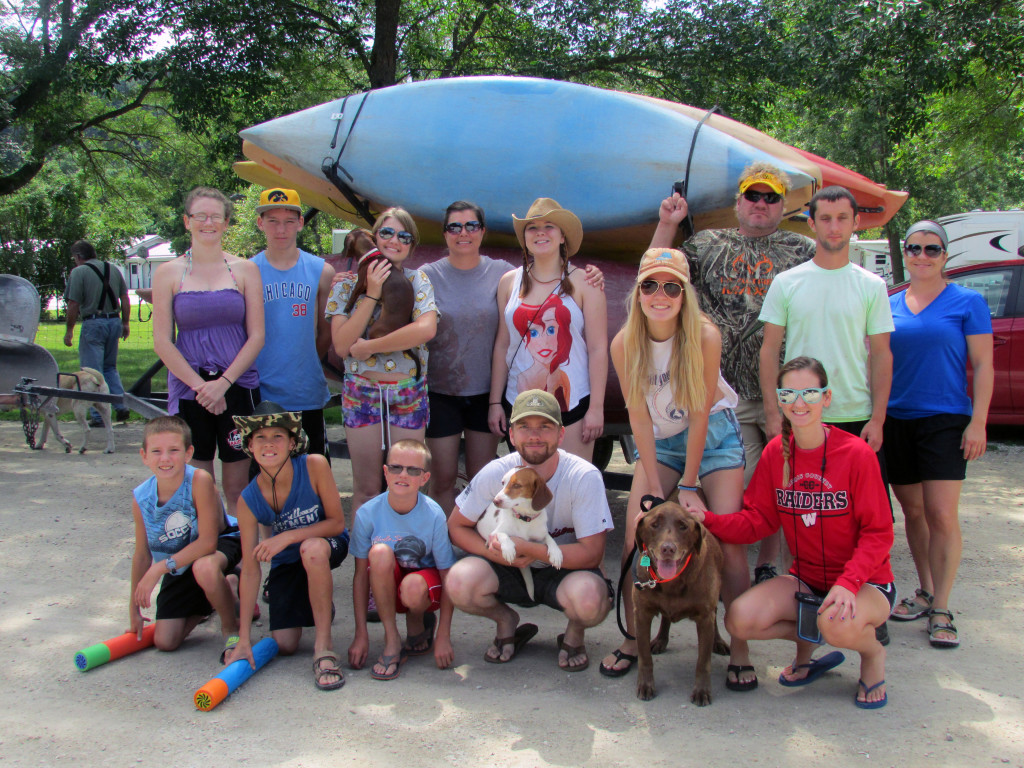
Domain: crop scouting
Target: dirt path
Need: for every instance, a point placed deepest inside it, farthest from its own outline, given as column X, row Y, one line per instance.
column 66, row 538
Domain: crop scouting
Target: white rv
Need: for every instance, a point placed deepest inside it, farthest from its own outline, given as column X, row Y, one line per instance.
column 974, row 238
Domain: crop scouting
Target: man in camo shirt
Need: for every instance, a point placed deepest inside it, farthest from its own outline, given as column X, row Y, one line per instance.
column 731, row 270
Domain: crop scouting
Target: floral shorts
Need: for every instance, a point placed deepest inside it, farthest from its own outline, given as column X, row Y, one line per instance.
column 403, row 404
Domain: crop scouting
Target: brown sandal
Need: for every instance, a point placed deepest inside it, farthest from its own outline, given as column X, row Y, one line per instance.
column 572, row 650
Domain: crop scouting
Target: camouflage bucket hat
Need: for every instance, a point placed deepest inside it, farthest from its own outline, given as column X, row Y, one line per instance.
column 270, row 414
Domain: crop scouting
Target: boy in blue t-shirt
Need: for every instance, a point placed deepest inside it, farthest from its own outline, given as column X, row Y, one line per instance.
column 402, row 550
column 179, row 520
column 295, row 496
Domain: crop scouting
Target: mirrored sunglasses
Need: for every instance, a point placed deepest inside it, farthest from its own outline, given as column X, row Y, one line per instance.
column 811, row 395
column 650, row 287
column 397, row 469
column 386, row 233
column 769, row 197
column 932, row 251
column 455, row 228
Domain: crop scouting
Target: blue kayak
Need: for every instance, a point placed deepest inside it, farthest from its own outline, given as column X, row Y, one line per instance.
column 608, row 156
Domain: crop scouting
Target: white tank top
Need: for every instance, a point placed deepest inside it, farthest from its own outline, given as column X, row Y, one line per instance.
column 547, row 350
column 668, row 419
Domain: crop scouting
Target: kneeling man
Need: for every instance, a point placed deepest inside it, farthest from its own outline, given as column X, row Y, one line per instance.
column 578, row 519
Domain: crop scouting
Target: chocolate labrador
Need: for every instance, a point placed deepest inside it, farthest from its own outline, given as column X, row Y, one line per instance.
column 397, row 297
column 678, row 570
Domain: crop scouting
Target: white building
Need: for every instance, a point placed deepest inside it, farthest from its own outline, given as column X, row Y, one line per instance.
column 142, row 257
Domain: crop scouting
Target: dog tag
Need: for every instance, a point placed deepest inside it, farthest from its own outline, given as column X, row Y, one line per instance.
column 645, row 562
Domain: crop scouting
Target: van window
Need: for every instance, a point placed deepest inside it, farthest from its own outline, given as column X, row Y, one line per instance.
column 994, row 285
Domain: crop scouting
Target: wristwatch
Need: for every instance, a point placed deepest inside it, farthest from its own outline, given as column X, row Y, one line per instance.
column 172, row 566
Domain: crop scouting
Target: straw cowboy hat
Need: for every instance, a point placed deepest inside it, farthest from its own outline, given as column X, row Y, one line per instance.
column 546, row 209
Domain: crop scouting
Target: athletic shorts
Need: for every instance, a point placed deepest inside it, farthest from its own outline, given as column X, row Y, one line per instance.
column 723, row 447
column 403, row 403
column 430, row 575
column 888, row 590
column 512, row 586
column 217, row 435
column 289, row 589
column 455, row 414
column 925, row 449
column 181, row 596
column 568, row 417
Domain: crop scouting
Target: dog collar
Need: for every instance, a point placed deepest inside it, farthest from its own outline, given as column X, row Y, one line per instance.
column 370, row 254
column 524, row 518
column 653, row 578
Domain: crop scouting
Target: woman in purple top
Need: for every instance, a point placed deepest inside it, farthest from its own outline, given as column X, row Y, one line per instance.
column 214, row 301
column 932, row 427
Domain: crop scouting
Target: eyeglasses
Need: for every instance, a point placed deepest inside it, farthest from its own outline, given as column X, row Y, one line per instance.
column 455, row 228
column 650, row 287
column 754, row 196
column 932, row 251
column 202, row 218
column 386, row 233
column 810, row 396
column 397, row 469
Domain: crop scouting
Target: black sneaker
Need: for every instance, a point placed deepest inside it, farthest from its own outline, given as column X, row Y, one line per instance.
column 882, row 633
column 371, row 610
column 123, row 414
column 764, row 572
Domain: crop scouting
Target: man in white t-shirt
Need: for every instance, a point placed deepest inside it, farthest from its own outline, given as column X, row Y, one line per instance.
column 579, row 519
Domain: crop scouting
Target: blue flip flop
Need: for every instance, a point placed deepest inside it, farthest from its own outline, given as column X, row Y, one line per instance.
column 815, row 669
column 871, row 704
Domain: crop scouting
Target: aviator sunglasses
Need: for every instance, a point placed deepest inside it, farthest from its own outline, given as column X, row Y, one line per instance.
column 932, row 251
column 396, row 469
column 386, row 233
column 455, row 228
column 650, row 287
column 810, row 396
column 769, row 197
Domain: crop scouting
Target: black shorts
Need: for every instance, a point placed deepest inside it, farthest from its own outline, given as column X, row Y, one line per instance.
column 512, row 586
column 925, row 449
column 181, row 596
column 289, row 589
column 888, row 590
column 568, row 417
column 455, row 414
column 316, row 430
column 217, row 435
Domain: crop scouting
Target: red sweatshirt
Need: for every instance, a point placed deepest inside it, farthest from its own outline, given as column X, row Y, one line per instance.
column 847, row 510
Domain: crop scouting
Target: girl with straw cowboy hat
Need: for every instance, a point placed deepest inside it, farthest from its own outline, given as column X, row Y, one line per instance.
column 555, row 331
column 295, row 495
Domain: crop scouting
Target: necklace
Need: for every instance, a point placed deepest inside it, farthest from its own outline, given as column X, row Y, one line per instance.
column 544, row 282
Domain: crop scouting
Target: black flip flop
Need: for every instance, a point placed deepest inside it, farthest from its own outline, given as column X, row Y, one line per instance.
column 736, row 685
column 614, row 671
column 523, row 634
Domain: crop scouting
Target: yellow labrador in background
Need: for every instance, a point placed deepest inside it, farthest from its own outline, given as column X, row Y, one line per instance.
column 86, row 380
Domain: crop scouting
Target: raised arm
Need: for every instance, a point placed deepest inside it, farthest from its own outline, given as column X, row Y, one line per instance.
column 671, row 214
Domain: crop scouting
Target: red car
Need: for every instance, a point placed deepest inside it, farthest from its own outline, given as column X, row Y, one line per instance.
column 1002, row 285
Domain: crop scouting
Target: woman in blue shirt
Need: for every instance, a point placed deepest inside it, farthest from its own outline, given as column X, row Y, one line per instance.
column 932, row 427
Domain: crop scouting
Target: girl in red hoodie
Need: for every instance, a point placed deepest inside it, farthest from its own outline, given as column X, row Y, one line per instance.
column 822, row 487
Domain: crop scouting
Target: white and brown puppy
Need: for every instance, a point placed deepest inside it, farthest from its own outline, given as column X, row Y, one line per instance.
column 520, row 510
column 86, row 380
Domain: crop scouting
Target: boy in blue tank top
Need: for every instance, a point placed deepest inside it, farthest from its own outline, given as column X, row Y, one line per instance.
column 181, row 541
column 295, row 496
column 401, row 545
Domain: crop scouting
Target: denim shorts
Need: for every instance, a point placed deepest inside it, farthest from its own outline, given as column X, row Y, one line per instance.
column 723, row 447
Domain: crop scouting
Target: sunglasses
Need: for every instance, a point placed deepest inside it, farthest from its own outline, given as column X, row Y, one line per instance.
column 755, row 197
column 397, row 469
column 455, row 228
column 650, row 287
column 810, row 396
column 386, row 233
column 202, row 218
column 931, row 250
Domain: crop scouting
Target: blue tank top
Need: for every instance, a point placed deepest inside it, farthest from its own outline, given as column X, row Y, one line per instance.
column 301, row 509
column 172, row 526
column 290, row 372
